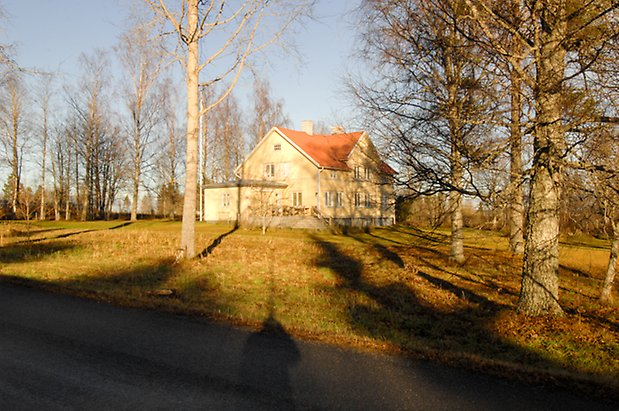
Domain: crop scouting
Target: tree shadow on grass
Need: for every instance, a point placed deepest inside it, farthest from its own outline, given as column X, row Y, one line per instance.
column 424, row 260
column 69, row 234
column 216, row 242
column 384, row 251
column 144, row 285
column 398, row 312
column 24, row 251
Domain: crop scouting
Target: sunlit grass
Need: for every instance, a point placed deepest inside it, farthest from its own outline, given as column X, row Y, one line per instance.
column 391, row 288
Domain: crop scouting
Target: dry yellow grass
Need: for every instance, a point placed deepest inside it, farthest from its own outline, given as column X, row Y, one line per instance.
column 391, row 289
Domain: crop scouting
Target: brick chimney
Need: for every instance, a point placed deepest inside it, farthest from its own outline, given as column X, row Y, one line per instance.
column 307, row 126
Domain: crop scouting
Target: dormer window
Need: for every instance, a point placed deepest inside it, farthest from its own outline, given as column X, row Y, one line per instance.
column 277, row 147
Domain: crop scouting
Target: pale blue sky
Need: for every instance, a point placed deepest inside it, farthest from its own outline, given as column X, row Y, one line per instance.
column 51, row 34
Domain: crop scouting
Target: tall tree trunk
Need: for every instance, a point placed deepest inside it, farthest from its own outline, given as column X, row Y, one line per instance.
column 42, row 215
column 136, row 188
column 539, row 294
column 15, row 169
column 455, row 208
column 516, row 208
column 606, row 296
column 191, row 171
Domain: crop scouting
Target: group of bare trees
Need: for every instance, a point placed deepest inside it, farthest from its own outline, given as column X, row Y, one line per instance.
column 95, row 143
column 469, row 92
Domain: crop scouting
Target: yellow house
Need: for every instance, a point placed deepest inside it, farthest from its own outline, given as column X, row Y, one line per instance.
column 301, row 179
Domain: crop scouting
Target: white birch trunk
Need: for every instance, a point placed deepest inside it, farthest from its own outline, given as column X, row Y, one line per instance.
column 539, row 294
column 606, row 296
column 191, row 172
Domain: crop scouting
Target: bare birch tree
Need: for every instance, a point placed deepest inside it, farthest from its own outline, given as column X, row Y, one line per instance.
column 557, row 42
column 430, row 100
column 44, row 100
column 14, row 137
column 170, row 152
column 142, row 60
column 235, row 31
column 267, row 112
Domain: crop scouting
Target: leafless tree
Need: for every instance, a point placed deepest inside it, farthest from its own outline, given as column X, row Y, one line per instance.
column 142, row 59
column 170, row 149
column 98, row 150
column 226, row 144
column 557, row 43
column 267, row 112
column 45, row 94
column 61, row 156
column 431, row 98
column 14, row 136
column 235, row 31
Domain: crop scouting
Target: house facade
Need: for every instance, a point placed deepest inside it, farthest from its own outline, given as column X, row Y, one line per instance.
column 298, row 178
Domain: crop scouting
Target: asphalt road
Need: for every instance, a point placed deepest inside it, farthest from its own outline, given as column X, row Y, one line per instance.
column 59, row 352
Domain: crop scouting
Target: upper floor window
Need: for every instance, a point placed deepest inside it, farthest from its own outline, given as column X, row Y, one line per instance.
column 333, row 174
column 277, row 147
column 358, row 172
column 226, row 199
column 269, row 170
column 367, row 173
column 368, row 201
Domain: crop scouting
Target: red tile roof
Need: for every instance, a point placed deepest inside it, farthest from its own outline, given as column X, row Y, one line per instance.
column 328, row 150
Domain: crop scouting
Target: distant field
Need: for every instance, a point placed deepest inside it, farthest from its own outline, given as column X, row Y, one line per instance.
column 391, row 289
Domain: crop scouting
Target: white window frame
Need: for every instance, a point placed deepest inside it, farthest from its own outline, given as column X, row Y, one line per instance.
column 358, row 172
column 358, row 199
column 226, row 200
column 269, row 170
column 339, row 199
column 367, row 173
column 368, row 200
column 297, row 199
column 329, row 199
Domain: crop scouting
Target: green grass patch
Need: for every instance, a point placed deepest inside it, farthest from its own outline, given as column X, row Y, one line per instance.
column 391, row 289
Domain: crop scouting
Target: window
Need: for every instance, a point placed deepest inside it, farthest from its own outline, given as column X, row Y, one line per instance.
column 269, row 170
column 333, row 174
column 368, row 173
column 339, row 199
column 368, row 201
column 297, row 199
column 358, row 200
column 226, row 200
column 277, row 147
column 358, row 172
column 328, row 199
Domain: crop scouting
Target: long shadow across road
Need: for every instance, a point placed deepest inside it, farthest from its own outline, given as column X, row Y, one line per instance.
column 59, row 352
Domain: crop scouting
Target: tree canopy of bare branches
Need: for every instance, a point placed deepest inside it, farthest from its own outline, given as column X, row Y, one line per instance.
column 235, row 31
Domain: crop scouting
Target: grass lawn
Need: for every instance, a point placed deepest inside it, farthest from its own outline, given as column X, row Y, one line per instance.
column 392, row 289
